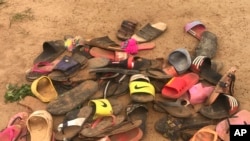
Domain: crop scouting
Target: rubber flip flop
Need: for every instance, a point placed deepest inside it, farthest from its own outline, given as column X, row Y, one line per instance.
column 195, row 28
column 177, row 86
column 10, row 133
column 149, row 32
column 206, row 133
column 51, row 50
column 32, row 103
column 207, row 45
column 20, row 119
column 109, row 54
column 224, row 86
column 39, row 124
column 141, row 90
column 180, row 59
column 199, row 93
column 223, row 106
column 135, row 134
column 44, row 89
column 72, row 98
column 240, row 118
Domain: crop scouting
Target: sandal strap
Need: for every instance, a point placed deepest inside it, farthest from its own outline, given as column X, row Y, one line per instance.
column 102, row 108
column 74, row 122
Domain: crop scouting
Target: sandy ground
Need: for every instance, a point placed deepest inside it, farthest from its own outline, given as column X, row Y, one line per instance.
column 21, row 40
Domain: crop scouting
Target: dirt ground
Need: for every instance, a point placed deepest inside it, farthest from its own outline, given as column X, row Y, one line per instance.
column 44, row 20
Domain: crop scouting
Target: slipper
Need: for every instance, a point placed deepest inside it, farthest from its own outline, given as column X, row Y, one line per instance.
column 199, row 93
column 180, row 59
column 129, row 46
column 32, row 103
column 75, row 119
column 125, row 127
column 203, row 66
column 40, row 69
column 149, row 32
column 223, row 107
column 44, row 89
column 141, row 90
column 177, row 86
column 207, row 45
column 170, row 127
column 206, row 133
column 157, row 74
column 224, row 86
column 140, row 63
column 67, row 67
column 240, row 118
column 72, row 98
column 39, row 124
column 109, row 54
column 179, row 108
column 195, row 28
column 10, row 133
column 138, row 111
column 97, row 62
column 20, row 119
column 51, row 50
column 114, row 70
column 135, row 134
column 126, row 30
column 100, row 126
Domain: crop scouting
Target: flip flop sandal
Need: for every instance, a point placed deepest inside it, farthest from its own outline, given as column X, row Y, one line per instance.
column 180, row 59
column 240, row 118
column 44, row 89
column 156, row 73
column 172, row 127
column 100, row 126
column 224, row 106
column 179, row 108
column 51, row 50
column 109, row 54
column 135, row 134
column 202, row 65
column 32, row 103
column 72, row 98
column 207, row 45
column 126, row 30
column 126, row 126
column 20, row 119
column 141, row 90
column 103, row 42
column 11, row 133
column 138, row 111
column 40, row 69
column 149, row 32
column 206, row 133
column 74, row 120
column 140, row 63
column 199, row 93
column 114, row 70
column 177, row 86
column 195, row 28
column 67, row 67
column 224, row 86
column 39, row 124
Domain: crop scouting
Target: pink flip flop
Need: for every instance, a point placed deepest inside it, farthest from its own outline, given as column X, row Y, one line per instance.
column 10, row 133
column 240, row 118
column 20, row 119
column 195, row 28
column 199, row 93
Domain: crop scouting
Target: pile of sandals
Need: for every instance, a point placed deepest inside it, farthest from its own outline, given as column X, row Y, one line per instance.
column 77, row 83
